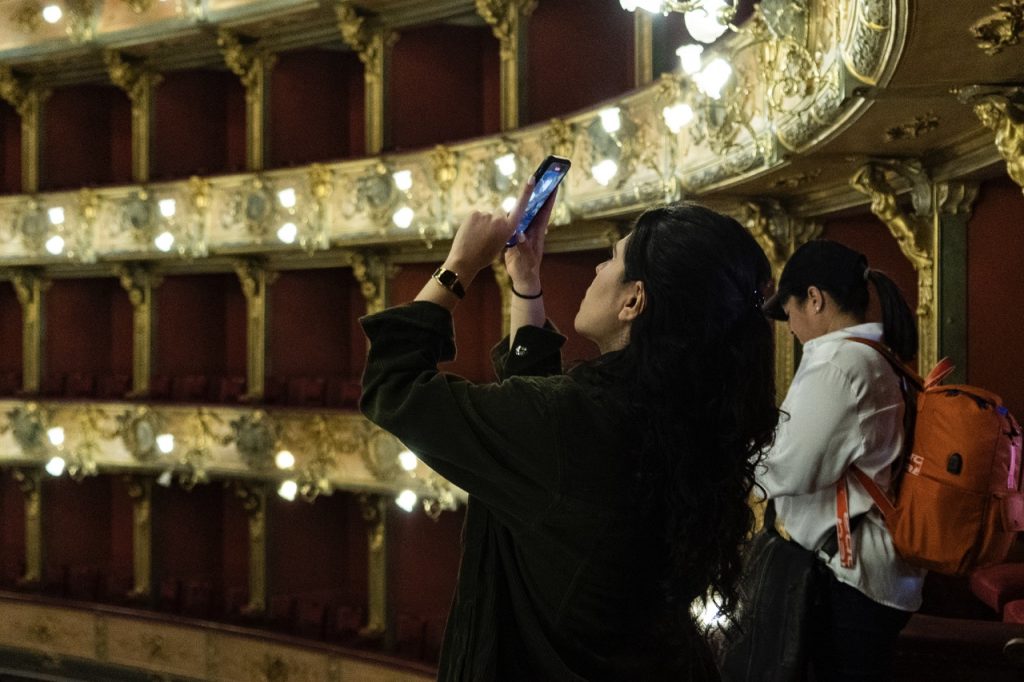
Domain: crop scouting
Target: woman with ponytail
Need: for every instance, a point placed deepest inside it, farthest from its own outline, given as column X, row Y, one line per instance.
column 606, row 500
column 844, row 407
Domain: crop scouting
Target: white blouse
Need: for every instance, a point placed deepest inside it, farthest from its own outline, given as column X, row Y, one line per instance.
column 843, row 407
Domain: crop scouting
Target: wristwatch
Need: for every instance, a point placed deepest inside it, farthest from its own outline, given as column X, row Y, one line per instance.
column 450, row 281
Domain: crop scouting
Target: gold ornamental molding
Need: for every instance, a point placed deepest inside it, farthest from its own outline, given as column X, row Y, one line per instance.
column 1001, row 29
column 139, row 83
column 795, row 78
column 252, row 64
column 507, row 19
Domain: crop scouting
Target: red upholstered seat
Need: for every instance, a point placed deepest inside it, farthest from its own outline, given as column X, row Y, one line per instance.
column 998, row 585
column 1013, row 612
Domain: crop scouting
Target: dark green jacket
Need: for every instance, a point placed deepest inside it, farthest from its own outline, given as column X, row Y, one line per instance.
column 559, row 575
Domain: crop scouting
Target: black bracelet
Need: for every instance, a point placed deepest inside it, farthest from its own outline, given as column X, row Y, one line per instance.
column 529, row 298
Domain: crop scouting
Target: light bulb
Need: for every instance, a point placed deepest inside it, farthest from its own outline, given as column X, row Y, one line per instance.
column 506, row 164
column 165, row 443
column 52, row 14
column 287, row 233
column 288, row 490
column 284, row 460
column 164, row 241
column 403, row 180
column 713, row 77
column 611, row 121
column 406, row 500
column 604, row 171
column 677, row 116
column 56, row 435
column 56, row 215
column 168, row 207
column 508, row 203
column 55, row 467
column 689, row 58
column 55, row 244
column 286, row 197
column 704, row 23
column 403, row 217
column 407, row 460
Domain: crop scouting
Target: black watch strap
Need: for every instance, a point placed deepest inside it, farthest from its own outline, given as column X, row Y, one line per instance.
column 450, row 281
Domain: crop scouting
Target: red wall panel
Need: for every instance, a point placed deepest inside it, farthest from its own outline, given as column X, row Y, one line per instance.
column 566, row 277
column 235, row 128
column 12, row 529
column 591, row 42
column 10, row 143
column 187, row 539
column 78, row 131
column 235, row 550
column 356, row 90
column 76, row 519
column 191, row 134
column 313, row 329
column 309, row 106
column 309, row 544
column 436, row 85
column 79, row 328
column 10, row 329
column 192, row 325
column 122, row 523
column 995, row 289
column 424, row 561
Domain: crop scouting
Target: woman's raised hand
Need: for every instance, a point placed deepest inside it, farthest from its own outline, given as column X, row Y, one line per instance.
column 523, row 260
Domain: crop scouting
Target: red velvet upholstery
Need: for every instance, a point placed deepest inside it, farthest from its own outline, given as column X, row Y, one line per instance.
column 998, row 585
column 1013, row 612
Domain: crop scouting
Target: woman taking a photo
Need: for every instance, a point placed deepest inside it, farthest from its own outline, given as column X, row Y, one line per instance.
column 604, row 500
column 844, row 407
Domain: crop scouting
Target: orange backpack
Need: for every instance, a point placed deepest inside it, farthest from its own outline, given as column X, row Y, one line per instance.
column 959, row 500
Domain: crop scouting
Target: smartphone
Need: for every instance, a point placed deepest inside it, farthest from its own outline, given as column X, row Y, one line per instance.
column 545, row 180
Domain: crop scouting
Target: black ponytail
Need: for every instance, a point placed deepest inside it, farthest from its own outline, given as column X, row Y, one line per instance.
column 898, row 320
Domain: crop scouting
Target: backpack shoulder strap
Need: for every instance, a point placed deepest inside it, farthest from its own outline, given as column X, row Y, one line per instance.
column 881, row 500
column 902, row 369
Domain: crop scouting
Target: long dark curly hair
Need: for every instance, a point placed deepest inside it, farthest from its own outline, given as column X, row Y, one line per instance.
column 701, row 366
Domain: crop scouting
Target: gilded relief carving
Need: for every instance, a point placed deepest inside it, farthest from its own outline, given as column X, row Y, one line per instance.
column 1006, row 120
column 913, row 129
column 998, row 31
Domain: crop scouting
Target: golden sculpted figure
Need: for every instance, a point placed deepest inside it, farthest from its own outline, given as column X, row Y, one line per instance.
column 1007, row 121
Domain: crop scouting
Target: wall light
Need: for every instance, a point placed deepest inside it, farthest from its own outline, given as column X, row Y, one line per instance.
column 288, row 490
column 56, row 435
column 604, row 171
column 56, row 215
column 403, row 217
column 611, row 121
column 286, row 197
column 408, row 460
column 165, row 443
column 287, row 233
column 52, row 14
column 506, row 164
column 55, row 245
column 677, row 116
column 164, row 241
column 406, row 500
column 403, row 180
column 508, row 203
column 284, row 460
column 709, row 21
column 168, row 207
column 55, row 467
column 690, row 58
column 713, row 77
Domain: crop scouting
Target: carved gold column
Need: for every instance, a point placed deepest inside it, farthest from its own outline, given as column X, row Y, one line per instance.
column 28, row 101
column 31, row 287
column 252, row 64
column 643, row 49
column 939, row 212
column 373, row 272
column 256, row 280
column 375, row 514
column 139, row 281
column 1006, row 120
column 140, row 85
column 30, row 483
column 508, row 23
column 140, row 489
column 373, row 45
column 779, row 235
column 254, row 501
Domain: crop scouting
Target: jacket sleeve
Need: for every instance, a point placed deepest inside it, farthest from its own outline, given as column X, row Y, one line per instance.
column 536, row 352
column 496, row 441
column 819, row 435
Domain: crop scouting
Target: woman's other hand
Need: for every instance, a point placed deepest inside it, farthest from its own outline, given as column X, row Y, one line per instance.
column 523, row 260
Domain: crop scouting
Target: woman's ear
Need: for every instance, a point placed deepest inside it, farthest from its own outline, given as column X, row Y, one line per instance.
column 816, row 299
column 634, row 303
